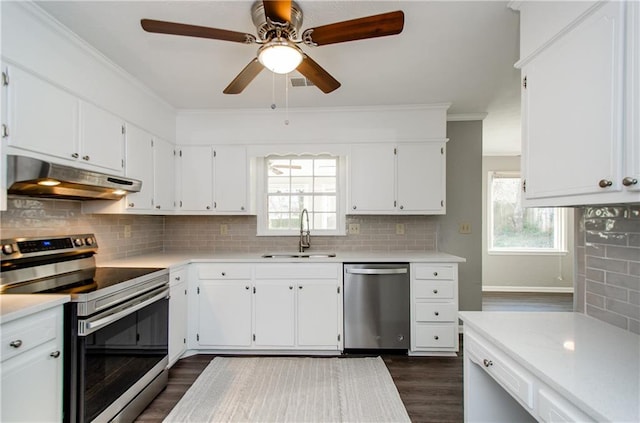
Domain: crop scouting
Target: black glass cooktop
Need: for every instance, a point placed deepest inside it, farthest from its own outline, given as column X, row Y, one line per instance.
column 103, row 277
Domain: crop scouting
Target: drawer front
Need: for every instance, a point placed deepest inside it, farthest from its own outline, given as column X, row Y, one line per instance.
column 224, row 271
column 299, row 271
column 436, row 312
column 553, row 409
column 24, row 334
column 433, row 289
column 508, row 374
column 436, row 336
column 434, row 272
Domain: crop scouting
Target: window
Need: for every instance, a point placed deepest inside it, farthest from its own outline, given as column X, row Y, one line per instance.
column 514, row 229
column 294, row 183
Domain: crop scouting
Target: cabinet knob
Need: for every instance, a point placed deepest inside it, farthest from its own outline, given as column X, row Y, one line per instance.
column 246, row 287
column 436, row 337
column 86, row 158
column 131, row 204
column 16, row 344
column 437, row 313
column 604, row 183
column 242, row 208
column 487, row 363
column 628, row 181
column 435, row 291
column 75, row 155
column 300, row 287
column 401, row 207
column 354, row 207
column 224, row 273
column 55, row 354
column 157, row 207
column 290, row 287
column 435, row 273
column 208, row 207
column 177, row 278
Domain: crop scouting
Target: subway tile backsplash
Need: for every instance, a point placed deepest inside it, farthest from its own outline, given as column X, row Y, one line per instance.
column 608, row 264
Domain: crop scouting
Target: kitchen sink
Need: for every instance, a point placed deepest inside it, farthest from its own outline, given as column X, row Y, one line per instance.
column 298, row 255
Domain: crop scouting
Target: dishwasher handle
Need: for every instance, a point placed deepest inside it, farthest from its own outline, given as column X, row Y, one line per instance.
column 374, row 271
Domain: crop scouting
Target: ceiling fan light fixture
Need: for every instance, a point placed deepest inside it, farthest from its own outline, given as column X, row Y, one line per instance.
column 280, row 56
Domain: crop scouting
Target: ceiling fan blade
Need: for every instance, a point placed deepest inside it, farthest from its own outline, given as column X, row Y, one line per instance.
column 356, row 29
column 277, row 10
column 316, row 74
column 245, row 76
column 162, row 27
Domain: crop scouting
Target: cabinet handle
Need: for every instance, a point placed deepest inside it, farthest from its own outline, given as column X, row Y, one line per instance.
column 435, row 273
column 75, row 155
column 5, row 131
column 435, row 291
column 487, row 363
column 628, row 181
column 16, row 344
column 131, row 204
column 437, row 313
column 86, row 158
column 604, row 183
column 157, row 207
column 55, row 354
column 436, row 337
column 177, row 278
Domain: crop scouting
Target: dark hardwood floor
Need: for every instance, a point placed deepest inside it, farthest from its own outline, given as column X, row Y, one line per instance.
column 430, row 387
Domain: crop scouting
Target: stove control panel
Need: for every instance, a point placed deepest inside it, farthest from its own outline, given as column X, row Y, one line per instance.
column 26, row 247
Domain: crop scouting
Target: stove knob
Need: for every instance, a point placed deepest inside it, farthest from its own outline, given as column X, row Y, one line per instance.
column 78, row 242
column 89, row 241
column 7, row 249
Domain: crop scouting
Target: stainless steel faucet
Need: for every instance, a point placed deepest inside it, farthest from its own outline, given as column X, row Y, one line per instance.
column 305, row 236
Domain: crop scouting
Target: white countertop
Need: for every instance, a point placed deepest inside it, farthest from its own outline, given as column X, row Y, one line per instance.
column 15, row 306
column 172, row 259
column 600, row 375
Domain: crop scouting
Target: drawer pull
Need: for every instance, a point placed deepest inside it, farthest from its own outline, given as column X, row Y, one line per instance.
column 177, row 278
column 435, row 273
column 16, row 344
column 55, row 354
column 435, row 291
column 487, row 363
column 224, row 274
column 436, row 337
column 437, row 313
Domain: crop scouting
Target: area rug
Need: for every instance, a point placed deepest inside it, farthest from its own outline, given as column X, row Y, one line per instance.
column 292, row 389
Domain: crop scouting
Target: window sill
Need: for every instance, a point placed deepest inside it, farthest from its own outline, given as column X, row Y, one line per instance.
column 527, row 252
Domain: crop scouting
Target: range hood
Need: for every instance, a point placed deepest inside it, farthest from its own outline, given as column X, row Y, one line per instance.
column 38, row 178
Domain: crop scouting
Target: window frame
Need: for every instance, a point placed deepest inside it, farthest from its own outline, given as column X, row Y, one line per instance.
column 262, row 195
column 559, row 223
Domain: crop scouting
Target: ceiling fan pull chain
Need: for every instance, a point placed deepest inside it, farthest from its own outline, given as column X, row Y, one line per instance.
column 286, row 100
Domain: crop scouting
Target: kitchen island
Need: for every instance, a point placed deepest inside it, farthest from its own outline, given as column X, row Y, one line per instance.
column 527, row 366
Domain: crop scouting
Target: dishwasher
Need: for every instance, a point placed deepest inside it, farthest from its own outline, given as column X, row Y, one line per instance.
column 376, row 306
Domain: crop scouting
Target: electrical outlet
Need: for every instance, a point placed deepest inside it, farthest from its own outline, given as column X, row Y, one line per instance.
column 224, row 229
column 127, row 231
column 464, row 228
column 399, row 228
column 354, row 228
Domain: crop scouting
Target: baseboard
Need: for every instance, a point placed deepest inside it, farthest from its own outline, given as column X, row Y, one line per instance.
column 542, row 289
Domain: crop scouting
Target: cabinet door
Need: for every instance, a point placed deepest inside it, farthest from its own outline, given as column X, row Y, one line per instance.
column 32, row 385
column 572, row 110
column 42, row 118
column 631, row 178
column 101, row 138
column 274, row 314
column 372, row 178
column 164, row 174
column 421, row 178
column 224, row 313
column 140, row 166
column 318, row 314
column 177, row 316
column 230, row 179
column 196, row 178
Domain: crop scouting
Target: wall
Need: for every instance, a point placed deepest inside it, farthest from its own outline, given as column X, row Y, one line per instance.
column 26, row 217
column 523, row 273
column 608, row 264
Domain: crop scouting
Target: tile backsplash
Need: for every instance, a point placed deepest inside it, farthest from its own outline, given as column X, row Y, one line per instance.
column 608, row 264
column 32, row 217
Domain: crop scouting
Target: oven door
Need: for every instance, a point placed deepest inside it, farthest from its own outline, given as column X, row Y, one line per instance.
column 118, row 353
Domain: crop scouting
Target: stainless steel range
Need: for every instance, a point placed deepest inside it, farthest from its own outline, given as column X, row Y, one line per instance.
column 116, row 326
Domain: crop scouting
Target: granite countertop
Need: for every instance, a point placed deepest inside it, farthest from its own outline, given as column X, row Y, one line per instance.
column 592, row 363
column 173, row 259
column 15, row 306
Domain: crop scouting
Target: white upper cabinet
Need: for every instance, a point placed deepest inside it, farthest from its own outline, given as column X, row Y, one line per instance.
column 48, row 122
column 195, row 178
column 163, row 175
column 231, row 179
column 575, row 102
column 101, row 138
column 140, row 166
column 405, row 178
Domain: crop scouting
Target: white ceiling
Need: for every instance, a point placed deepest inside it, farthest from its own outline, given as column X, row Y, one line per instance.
column 449, row 51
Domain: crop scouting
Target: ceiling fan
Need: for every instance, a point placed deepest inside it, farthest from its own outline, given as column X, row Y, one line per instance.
column 278, row 24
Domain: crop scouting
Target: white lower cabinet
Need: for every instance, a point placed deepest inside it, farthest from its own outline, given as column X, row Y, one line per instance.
column 253, row 306
column 434, row 308
column 178, row 285
column 31, row 355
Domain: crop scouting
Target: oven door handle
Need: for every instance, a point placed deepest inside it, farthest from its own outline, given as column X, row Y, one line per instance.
column 87, row 327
